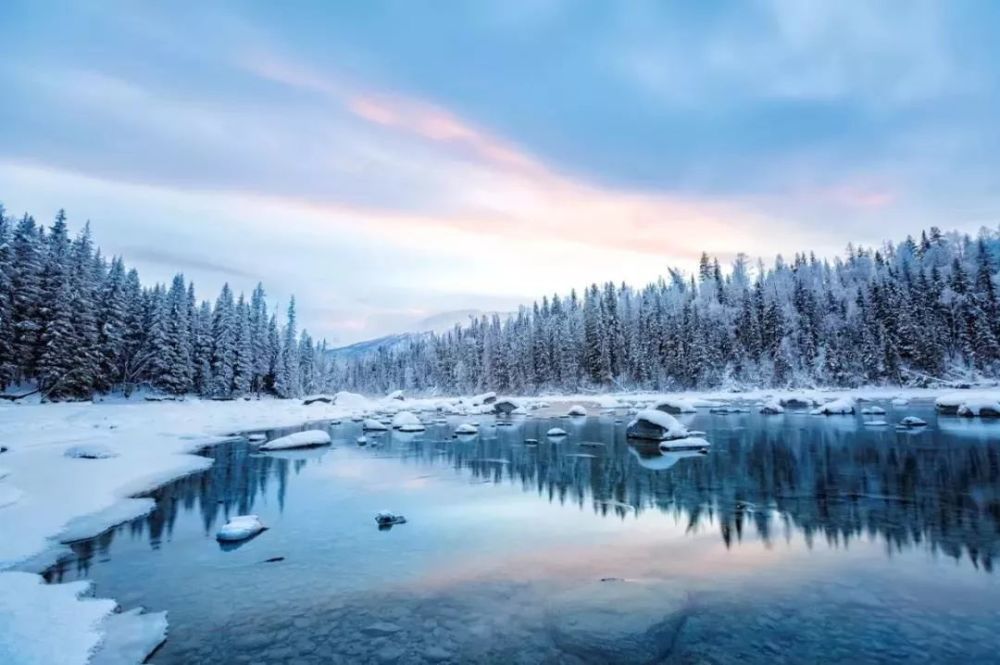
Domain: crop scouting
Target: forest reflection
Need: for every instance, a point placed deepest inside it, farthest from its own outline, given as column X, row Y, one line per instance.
column 830, row 481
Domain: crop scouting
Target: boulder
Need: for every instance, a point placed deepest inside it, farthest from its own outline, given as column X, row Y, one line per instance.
column 576, row 410
column 655, row 425
column 674, row 406
column 504, row 407
column 372, row 425
column 618, row 621
column 312, row 399
column 307, row 439
column 240, row 528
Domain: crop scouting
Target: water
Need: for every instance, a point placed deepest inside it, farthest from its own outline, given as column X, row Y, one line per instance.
column 796, row 539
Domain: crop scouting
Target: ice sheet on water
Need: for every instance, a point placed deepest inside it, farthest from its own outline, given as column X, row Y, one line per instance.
column 313, row 437
column 88, row 526
column 130, row 637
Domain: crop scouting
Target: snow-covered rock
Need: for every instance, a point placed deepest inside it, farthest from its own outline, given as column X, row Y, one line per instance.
column 675, row 405
column 686, row 443
column 948, row 404
column 505, row 407
column 900, row 401
column 798, row 401
column 873, row 411
column 655, row 425
column 842, row 406
column 362, row 440
column 772, row 407
column 911, row 422
column 351, row 401
column 466, row 428
column 980, row 407
column 239, row 528
column 407, row 421
column 307, row 439
column 90, row 451
column 396, row 395
column 576, row 410
column 257, row 437
column 372, row 425
column 556, row 432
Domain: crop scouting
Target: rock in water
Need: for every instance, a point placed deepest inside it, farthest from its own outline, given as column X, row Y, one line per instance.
column 504, row 407
column 912, row 422
column 618, row 621
column 655, row 425
column 240, row 528
column 385, row 519
column 577, row 410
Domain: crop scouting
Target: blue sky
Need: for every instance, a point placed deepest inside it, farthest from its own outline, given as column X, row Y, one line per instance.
column 390, row 161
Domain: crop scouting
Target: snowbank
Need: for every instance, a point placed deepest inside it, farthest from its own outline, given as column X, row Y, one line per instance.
column 655, row 425
column 307, row 439
column 130, row 637
column 485, row 398
column 48, row 624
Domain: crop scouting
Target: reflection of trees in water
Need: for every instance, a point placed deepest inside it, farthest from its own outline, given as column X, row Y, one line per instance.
column 831, row 482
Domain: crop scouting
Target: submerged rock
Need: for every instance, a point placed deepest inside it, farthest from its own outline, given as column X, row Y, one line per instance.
column 618, row 621
column 386, row 519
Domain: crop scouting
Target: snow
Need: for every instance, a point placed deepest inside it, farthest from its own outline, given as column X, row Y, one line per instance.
column 556, row 431
column 485, row 398
column 90, row 451
column 48, row 624
column 130, row 637
column 577, row 410
column 981, row 407
column 772, row 407
column 313, row 437
column 912, row 421
column 685, row 443
column 675, row 405
column 841, row 406
column 372, row 425
column 466, row 428
column 407, row 421
column 396, row 395
column 240, row 527
column 9, row 494
column 670, row 427
column 94, row 524
column 352, row 401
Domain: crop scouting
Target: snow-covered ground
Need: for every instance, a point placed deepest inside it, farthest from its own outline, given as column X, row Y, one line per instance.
column 50, row 493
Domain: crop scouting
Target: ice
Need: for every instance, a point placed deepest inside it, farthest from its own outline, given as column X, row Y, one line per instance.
column 90, row 451
column 130, row 637
column 88, row 526
column 577, row 410
column 655, row 425
column 842, row 406
column 48, row 624
column 307, row 439
column 466, row 428
column 407, row 421
column 239, row 528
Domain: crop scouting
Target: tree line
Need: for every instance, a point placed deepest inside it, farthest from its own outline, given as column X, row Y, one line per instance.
column 918, row 312
column 74, row 323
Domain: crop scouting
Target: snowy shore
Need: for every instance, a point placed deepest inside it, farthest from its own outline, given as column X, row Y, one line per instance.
column 54, row 494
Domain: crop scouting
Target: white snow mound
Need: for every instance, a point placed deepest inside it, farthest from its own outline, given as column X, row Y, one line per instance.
column 307, row 439
column 240, row 527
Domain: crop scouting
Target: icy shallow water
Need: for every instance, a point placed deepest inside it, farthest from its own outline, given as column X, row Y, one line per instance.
column 797, row 539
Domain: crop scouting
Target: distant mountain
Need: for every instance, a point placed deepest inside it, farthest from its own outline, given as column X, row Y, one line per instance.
column 438, row 323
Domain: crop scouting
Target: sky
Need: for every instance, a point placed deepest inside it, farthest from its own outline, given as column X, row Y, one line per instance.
column 394, row 164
